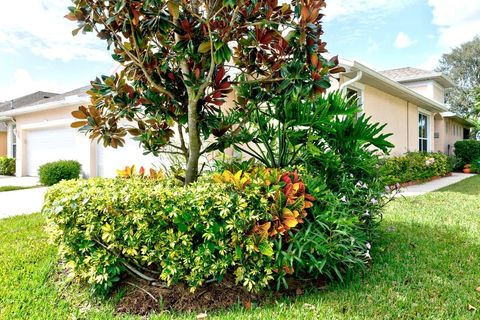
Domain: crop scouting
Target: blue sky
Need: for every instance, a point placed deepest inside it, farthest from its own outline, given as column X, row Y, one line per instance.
column 38, row 52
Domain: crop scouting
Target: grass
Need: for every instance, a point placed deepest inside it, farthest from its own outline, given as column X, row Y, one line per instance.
column 426, row 266
column 13, row 188
column 470, row 186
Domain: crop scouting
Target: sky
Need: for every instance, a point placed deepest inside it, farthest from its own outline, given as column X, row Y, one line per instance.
column 38, row 51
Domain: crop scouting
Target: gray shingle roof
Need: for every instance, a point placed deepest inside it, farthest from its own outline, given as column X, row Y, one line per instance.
column 27, row 100
column 81, row 92
column 408, row 74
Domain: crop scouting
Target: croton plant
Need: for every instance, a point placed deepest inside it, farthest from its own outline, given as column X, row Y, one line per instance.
column 287, row 196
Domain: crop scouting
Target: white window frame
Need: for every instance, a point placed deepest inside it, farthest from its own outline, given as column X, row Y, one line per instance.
column 427, row 116
column 360, row 89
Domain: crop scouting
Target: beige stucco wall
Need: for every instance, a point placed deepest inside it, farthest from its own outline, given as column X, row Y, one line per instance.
column 424, row 89
column 454, row 133
column 400, row 116
column 438, row 93
column 60, row 117
column 430, row 89
column 3, row 144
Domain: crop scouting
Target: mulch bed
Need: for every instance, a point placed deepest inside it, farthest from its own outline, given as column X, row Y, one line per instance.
column 142, row 298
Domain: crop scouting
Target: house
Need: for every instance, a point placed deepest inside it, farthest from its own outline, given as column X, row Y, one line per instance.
column 412, row 104
column 409, row 101
column 7, row 137
column 43, row 134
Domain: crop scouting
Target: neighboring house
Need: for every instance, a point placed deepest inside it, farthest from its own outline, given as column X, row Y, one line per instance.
column 43, row 134
column 411, row 102
column 7, row 136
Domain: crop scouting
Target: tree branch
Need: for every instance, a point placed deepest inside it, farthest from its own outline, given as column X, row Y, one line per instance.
column 135, row 60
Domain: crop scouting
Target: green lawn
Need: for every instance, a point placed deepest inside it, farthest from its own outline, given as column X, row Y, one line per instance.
column 426, row 266
column 13, row 188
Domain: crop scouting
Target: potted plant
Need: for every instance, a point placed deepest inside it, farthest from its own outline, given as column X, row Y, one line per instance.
column 467, row 168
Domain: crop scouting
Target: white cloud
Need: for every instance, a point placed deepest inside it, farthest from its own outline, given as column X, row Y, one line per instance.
column 403, row 41
column 361, row 8
column 458, row 21
column 23, row 84
column 40, row 26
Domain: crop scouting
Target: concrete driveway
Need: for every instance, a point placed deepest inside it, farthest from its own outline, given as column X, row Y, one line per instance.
column 17, row 202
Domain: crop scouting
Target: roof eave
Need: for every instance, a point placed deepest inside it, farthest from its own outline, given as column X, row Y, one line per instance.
column 394, row 87
column 463, row 121
column 68, row 102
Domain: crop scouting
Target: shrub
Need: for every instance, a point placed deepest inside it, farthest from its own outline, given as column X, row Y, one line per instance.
column 7, row 166
column 415, row 166
column 467, row 150
column 54, row 172
column 455, row 163
column 475, row 166
column 222, row 223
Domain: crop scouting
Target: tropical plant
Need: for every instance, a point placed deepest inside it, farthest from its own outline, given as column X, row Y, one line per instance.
column 289, row 127
column 181, row 59
column 130, row 172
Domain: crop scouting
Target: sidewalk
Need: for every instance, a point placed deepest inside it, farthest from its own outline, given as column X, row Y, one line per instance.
column 430, row 186
column 18, row 181
column 18, row 202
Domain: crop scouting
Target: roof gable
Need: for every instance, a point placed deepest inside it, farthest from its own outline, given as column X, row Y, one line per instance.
column 408, row 75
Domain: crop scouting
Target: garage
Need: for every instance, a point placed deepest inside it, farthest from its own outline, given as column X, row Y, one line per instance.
column 110, row 159
column 52, row 144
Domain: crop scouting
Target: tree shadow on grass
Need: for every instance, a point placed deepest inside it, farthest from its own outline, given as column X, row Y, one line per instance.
column 418, row 271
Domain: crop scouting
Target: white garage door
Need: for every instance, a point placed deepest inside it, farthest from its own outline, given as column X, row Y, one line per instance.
column 52, row 144
column 109, row 159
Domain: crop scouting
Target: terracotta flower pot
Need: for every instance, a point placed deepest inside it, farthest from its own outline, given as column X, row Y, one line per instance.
column 467, row 170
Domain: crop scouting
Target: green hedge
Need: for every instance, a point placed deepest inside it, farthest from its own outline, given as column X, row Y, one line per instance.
column 252, row 225
column 54, row 172
column 7, row 166
column 415, row 166
column 467, row 150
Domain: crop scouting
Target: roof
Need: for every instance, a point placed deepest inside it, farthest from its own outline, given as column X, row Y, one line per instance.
column 465, row 122
column 36, row 97
column 386, row 84
column 70, row 98
column 408, row 74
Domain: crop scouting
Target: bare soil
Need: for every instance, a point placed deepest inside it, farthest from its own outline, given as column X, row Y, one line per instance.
column 142, row 298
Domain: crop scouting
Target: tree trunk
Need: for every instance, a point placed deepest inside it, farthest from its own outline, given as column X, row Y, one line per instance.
column 194, row 144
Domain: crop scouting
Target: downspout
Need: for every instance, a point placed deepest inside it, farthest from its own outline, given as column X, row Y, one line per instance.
column 408, row 126
column 344, row 86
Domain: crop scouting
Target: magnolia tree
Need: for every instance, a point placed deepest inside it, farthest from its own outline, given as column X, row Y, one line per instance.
column 181, row 58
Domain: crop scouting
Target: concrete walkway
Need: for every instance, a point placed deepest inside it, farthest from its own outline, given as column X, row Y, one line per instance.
column 430, row 186
column 18, row 181
column 13, row 203
column 17, row 202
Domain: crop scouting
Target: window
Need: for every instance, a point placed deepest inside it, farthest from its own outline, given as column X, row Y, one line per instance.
column 423, row 124
column 356, row 94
